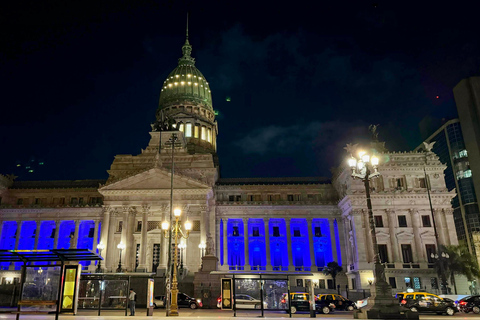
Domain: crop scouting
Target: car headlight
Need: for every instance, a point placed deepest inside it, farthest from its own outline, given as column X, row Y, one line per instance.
column 198, row 300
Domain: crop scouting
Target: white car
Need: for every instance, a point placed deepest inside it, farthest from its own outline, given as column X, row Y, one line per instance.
column 361, row 303
column 244, row 301
column 159, row 302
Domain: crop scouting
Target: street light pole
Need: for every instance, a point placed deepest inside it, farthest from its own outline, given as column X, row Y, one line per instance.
column 381, row 303
column 120, row 246
column 168, row 276
column 100, row 248
column 177, row 233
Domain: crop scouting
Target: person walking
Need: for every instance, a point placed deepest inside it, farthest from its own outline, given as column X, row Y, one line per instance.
column 133, row 298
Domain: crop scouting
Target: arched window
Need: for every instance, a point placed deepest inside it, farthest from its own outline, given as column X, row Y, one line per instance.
column 209, row 135
column 188, row 130
column 204, row 133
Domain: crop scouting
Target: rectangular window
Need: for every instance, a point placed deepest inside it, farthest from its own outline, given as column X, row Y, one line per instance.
column 299, row 282
column 231, row 198
column 296, row 232
column 378, row 221
column 196, row 131
column 383, row 253
column 417, row 283
column 407, row 253
column 120, row 226
column 422, row 183
column 431, row 250
column 408, row 282
column 434, row 283
column 393, row 282
column 318, row 232
column 19, row 202
column 426, row 221
column 196, row 225
column 330, row 284
column 91, row 232
column 271, row 197
column 400, row 184
column 188, row 130
column 321, row 283
column 238, row 198
column 139, row 226
column 209, row 135
column 354, row 284
column 290, row 197
column 181, row 128
column 62, row 201
column 402, row 221
column 235, row 231
column 255, row 232
column 204, row 133
column 37, row 201
column 250, row 197
column 276, row 231
column 74, row 201
column 80, row 200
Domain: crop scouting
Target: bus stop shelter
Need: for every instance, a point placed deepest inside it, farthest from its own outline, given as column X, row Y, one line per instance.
column 48, row 278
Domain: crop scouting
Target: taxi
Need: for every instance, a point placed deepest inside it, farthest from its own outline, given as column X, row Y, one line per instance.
column 340, row 302
column 424, row 302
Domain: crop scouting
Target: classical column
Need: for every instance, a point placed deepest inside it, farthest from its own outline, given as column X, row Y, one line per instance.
column 419, row 256
column 267, row 243
column 393, row 238
column 95, row 235
column 142, row 263
column 111, row 246
column 311, row 245
column 37, row 235
column 130, row 246
column 19, row 234
column 104, row 233
column 366, row 230
column 333, row 241
column 225, row 242
column 439, row 226
column 289, row 244
column 57, row 233
column 246, row 243
column 1, row 229
column 75, row 235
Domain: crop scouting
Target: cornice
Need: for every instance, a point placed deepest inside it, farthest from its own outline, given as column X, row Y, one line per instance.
column 156, row 191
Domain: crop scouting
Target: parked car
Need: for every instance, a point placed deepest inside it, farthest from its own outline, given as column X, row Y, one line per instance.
column 426, row 302
column 188, row 302
column 362, row 303
column 300, row 301
column 340, row 302
column 470, row 303
column 159, row 302
column 244, row 301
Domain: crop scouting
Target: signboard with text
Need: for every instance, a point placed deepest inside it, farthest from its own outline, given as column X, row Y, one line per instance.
column 227, row 294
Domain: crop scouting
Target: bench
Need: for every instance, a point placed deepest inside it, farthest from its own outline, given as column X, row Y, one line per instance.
column 31, row 303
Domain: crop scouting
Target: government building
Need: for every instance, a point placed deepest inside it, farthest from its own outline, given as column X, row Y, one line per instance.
column 293, row 226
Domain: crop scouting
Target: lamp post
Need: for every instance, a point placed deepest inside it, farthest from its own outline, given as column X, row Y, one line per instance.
column 442, row 260
column 381, row 303
column 182, row 246
column 100, row 247
column 120, row 246
column 202, row 247
column 176, row 232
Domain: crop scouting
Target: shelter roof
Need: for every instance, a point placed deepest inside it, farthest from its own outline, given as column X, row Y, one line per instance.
column 47, row 255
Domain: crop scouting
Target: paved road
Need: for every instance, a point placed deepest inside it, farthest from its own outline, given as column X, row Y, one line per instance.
column 204, row 314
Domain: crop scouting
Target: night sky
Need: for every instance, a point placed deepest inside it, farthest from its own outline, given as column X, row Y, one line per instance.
column 81, row 80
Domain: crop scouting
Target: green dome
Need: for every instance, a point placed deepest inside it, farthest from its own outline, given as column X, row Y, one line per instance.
column 185, row 84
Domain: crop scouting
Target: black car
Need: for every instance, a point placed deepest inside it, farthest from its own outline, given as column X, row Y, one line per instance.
column 300, row 301
column 470, row 303
column 188, row 302
column 426, row 302
column 340, row 302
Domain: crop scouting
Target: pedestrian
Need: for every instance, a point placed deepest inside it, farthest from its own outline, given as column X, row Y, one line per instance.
column 132, row 297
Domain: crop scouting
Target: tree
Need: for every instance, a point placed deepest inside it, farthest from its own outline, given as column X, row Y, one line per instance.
column 332, row 269
column 460, row 261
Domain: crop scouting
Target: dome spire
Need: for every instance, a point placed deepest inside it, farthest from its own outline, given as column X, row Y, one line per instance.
column 187, row 51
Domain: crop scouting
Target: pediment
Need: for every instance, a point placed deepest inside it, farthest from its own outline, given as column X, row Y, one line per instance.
column 154, row 179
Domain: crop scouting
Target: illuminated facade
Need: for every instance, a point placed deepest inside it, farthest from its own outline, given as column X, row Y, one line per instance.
column 250, row 225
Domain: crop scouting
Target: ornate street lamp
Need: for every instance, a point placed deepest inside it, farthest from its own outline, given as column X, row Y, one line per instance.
column 100, row 247
column 381, row 302
column 176, row 232
column 442, row 260
column 120, row 246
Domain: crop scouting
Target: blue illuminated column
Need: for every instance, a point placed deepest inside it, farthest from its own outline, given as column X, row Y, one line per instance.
column 75, row 235
column 19, row 232
column 37, row 235
column 225, row 242
column 267, row 244
column 246, row 244
column 57, row 233
column 1, row 229
column 310, row 243
column 331, row 223
column 289, row 244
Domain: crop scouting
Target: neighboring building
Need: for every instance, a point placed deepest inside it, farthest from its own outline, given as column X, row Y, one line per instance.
column 450, row 147
column 290, row 225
